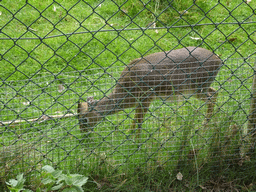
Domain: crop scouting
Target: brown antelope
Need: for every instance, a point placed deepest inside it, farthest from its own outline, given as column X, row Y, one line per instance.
column 188, row 71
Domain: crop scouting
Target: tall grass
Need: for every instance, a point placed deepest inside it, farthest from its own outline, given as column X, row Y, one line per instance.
column 49, row 75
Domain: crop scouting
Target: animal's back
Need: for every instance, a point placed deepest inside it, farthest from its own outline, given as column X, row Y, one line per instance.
column 182, row 70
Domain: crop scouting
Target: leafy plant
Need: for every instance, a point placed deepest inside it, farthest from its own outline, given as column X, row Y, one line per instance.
column 16, row 185
column 52, row 180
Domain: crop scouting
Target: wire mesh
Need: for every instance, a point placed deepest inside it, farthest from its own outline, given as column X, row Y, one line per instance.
column 56, row 54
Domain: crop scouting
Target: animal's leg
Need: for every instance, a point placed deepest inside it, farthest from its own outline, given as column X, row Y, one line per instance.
column 212, row 96
column 140, row 111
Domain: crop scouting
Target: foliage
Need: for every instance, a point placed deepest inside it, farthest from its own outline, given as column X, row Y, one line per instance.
column 16, row 185
column 52, row 180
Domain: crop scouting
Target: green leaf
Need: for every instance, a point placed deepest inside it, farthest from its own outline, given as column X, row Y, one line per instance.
column 57, row 187
column 71, row 189
column 21, row 181
column 69, row 180
column 13, row 189
column 75, row 175
column 46, row 181
column 12, row 182
column 80, row 180
column 16, row 185
column 78, row 188
column 75, row 179
column 56, row 173
column 19, row 177
column 28, row 190
column 48, row 168
column 61, row 178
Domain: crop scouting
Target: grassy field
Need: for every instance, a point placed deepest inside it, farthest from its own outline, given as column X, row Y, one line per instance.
column 68, row 50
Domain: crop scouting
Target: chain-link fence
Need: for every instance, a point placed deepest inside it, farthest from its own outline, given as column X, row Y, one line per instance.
column 55, row 54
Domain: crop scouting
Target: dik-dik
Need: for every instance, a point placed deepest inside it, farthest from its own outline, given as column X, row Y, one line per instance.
column 187, row 71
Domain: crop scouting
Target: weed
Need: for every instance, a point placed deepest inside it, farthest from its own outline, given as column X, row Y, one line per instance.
column 52, row 180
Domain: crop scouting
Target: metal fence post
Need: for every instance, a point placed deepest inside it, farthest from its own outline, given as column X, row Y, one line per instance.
column 252, row 115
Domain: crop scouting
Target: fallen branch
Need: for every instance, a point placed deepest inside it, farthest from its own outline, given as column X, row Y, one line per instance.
column 41, row 119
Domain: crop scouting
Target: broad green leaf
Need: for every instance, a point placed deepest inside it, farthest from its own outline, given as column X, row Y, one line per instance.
column 57, row 187
column 46, row 181
column 78, row 188
column 27, row 190
column 48, row 168
column 56, row 173
column 80, row 181
column 21, row 181
column 71, row 189
column 61, row 178
column 19, row 177
column 12, row 182
column 69, row 180
column 75, row 179
column 75, row 175
column 13, row 189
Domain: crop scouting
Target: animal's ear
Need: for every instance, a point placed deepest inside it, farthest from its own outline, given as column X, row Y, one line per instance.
column 91, row 101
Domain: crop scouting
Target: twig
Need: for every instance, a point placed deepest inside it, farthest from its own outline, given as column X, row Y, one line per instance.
column 41, row 119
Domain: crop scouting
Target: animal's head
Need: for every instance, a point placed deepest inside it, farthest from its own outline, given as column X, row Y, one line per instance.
column 87, row 115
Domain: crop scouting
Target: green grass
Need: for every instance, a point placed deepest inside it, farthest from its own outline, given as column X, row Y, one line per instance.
column 173, row 137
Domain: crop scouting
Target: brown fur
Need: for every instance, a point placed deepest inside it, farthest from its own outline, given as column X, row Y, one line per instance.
column 183, row 71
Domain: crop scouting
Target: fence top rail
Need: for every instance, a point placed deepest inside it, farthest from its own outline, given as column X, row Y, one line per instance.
column 128, row 29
